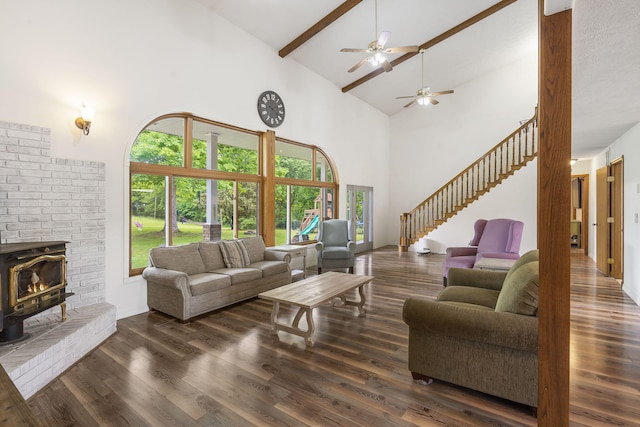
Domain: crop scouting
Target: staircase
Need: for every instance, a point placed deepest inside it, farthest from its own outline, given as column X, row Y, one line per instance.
column 496, row 165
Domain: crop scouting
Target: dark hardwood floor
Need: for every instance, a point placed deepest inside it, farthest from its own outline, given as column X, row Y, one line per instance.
column 226, row 368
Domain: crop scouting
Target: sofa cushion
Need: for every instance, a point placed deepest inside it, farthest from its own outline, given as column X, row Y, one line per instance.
column 208, row 282
column 241, row 275
column 270, row 268
column 211, row 255
column 255, row 248
column 234, row 253
column 185, row 258
column 519, row 292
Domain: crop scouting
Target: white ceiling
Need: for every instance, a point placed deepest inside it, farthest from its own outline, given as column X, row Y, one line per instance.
column 606, row 50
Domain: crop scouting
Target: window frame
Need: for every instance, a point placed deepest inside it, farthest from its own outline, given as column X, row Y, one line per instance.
column 265, row 184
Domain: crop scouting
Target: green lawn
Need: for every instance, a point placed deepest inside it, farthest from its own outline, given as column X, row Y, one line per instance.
column 152, row 236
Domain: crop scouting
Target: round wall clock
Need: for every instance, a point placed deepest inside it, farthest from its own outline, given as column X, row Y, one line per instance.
column 271, row 108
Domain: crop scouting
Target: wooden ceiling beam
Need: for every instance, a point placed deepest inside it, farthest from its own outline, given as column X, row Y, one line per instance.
column 318, row 26
column 434, row 41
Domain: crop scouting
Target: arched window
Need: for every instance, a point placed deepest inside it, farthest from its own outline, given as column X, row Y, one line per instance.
column 193, row 179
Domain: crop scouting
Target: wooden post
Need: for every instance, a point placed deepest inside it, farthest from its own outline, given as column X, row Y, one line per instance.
column 404, row 244
column 554, row 208
column 268, row 188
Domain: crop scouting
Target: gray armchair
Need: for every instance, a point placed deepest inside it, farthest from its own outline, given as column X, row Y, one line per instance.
column 335, row 247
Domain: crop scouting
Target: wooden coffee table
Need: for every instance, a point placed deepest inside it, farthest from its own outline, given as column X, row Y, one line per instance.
column 309, row 293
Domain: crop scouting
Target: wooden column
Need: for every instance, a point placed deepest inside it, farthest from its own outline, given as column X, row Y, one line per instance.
column 554, row 209
column 268, row 188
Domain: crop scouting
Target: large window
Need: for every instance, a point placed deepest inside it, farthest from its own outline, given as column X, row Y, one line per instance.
column 302, row 197
column 192, row 179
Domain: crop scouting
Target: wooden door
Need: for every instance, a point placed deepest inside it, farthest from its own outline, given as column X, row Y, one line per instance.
column 601, row 224
column 616, row 183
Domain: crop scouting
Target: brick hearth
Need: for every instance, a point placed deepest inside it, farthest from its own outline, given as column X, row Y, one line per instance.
column 54, row 346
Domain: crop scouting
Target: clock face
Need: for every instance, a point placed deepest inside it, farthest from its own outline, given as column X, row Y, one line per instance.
column 271, row 108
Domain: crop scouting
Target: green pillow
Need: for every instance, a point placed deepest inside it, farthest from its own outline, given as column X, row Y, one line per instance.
column 519, row 292
column 532, row 255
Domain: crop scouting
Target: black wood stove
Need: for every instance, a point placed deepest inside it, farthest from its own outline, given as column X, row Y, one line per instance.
column 32, row 280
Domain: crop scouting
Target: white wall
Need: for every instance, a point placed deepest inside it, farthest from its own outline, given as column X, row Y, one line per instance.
column 627, row 145
column 136, row 60
column 431, row 146
column 515, row 199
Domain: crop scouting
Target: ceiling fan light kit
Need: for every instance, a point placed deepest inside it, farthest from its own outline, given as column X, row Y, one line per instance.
column 376, row 49
column 424, row 100
column 424, row 96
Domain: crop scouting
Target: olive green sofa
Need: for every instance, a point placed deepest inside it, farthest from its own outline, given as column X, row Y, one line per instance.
column 481, row 332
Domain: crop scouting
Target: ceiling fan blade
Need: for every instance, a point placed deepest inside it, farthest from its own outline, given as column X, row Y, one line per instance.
column 387, row 67
column 402, row 49
column 348, row 49
column 442, row 92
column 411, row 103
column 403, row 97
column 434, row 101
column 383, row 38
column 358, row 65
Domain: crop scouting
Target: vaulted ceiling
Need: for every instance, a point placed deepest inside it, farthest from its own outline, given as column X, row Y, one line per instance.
column 464, row 39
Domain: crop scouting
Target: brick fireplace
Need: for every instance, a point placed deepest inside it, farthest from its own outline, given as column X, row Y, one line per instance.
column 45, row 199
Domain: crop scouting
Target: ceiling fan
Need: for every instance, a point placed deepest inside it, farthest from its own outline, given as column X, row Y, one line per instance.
column 377, row 51
column 424, row 96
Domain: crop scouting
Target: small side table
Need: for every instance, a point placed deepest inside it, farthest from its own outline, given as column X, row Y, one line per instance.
column 296, row 251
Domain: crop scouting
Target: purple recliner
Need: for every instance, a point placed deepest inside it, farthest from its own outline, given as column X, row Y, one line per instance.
column 495, row 238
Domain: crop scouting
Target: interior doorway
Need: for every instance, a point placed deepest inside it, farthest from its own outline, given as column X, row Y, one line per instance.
column 360, row 213
column 580, row 212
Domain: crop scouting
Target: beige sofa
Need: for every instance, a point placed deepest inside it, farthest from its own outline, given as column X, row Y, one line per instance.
column 481, row 332
column 188, row 280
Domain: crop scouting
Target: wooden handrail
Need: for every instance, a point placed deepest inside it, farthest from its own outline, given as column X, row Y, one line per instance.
column 489, row 170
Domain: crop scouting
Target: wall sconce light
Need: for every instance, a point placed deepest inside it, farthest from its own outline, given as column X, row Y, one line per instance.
column 573, row 161
column 85, row 119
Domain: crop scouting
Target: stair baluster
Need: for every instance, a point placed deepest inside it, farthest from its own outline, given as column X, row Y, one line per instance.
column 497, row 164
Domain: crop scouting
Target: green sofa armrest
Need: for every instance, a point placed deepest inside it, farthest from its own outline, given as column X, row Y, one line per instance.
column 487, row 279
column 162, row 276
column 473, row 324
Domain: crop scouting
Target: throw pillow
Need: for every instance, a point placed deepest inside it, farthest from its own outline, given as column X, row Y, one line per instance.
column 532, row 255
column 519, row 292
column 234, row 253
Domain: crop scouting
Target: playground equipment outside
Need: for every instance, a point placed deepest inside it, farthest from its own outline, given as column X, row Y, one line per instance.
column 311, row 218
